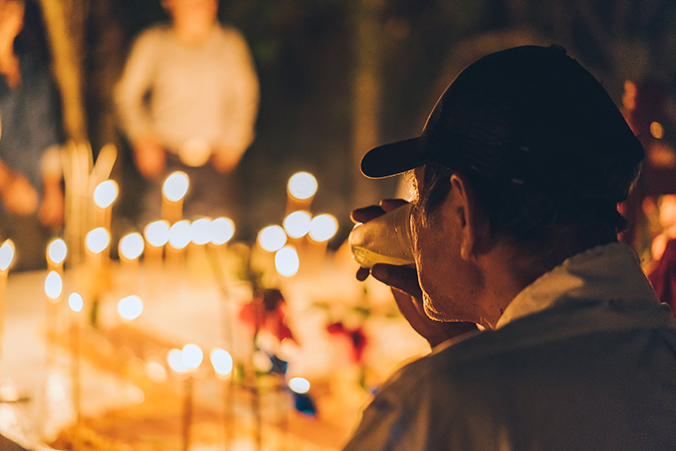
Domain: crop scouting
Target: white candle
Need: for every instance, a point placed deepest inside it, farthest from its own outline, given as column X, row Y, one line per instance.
column 322, row 229
column 301, row 189
column 76, row 303
column 105, row 195
column 174, row 189
column 179, row 238
column 156, row 235
column 6, row 257
column 130, row 249
column 56, row 255
column 287, row 261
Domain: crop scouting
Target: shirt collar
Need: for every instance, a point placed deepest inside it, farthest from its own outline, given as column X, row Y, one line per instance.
column 610, row 271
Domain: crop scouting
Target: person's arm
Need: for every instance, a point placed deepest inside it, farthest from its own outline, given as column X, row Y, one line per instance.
column 238, row 134
column 403, row 281
column 16, row 193
column 129, row 94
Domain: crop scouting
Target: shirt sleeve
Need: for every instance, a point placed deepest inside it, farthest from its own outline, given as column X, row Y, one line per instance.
column 238, row 134
column 398, row 419
column 135, row 83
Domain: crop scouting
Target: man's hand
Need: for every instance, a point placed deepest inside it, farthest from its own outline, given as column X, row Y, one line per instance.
column 403, row 281
column 150, row 158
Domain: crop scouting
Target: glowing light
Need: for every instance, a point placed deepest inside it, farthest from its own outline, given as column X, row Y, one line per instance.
column 156, row 371
column 105, row 194
column 297, row 224
column 302, row 185
column 323, row 227
column 175, row 361
column 97, row 240
column 200, row 231
column 157, row 233
column 222, row 230
column 6, row 254
column 57, row 251
column 131, row 246
column 657, row 130
column 130, row 307
column 299, row 385
column 179, row 234
column 272, row 238
column 221, row 361
column 287, row 262
column 135, row 394
column 191, row 356
column 75, row 302
column 176, row 186
column 53, row 285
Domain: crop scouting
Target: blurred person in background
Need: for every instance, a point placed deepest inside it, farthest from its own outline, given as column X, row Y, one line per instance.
column 31, row 195
column 648, row 109
column 188, row 100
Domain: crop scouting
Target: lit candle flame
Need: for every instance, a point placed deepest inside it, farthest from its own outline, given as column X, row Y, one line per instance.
column 53, row 285
column 323, row 228
column 657, row 130
column 200, row 231
column 299, row 385
column 97, row 240
column 297, row 224
column 130, row 307
column 221, row 361
column 302, row 185
column 179, row 234
column 272, row 238
column 191, row 356
column 57, row 251
column 222, row 231
column 176, row 186
column 157, row 233
column 175, row 361
column 287, row 262
column 75, row 302
column 105, row 193
column 6, row 254
column 131, row 246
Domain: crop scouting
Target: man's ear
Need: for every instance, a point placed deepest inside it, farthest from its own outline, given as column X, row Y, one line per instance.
column 472, row 224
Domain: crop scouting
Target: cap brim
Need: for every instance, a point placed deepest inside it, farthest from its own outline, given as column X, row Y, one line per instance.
column 392, row 159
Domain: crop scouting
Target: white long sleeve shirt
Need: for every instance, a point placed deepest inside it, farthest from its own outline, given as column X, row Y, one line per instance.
column 584, row 358
column 180, row 95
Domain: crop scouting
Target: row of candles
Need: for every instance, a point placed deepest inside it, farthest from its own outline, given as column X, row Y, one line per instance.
column 173, row 234
column 183, row 362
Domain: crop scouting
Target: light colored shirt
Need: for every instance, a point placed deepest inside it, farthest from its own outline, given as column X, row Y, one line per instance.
column 583, row 358
column 190, row 95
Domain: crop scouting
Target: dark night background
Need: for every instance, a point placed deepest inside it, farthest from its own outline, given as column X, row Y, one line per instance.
column 309, row 53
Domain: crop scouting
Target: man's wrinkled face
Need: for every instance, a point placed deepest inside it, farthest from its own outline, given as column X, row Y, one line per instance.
column 446, row 279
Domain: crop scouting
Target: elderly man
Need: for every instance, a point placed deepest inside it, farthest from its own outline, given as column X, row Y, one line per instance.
column 518, row 174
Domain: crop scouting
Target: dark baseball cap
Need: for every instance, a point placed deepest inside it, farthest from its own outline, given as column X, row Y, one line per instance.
column 530, row 115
